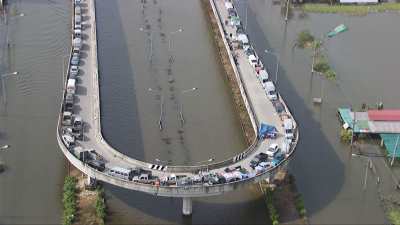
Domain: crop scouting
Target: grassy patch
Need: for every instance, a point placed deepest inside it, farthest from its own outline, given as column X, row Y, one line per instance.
column 299, row 203
column 394, row 216
column 69, row 200
column 322, row 66
column 350, row 9
column 100, row 205
column 273, row 213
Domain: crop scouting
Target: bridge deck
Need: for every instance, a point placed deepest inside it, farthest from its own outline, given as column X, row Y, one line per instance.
column 88, row 107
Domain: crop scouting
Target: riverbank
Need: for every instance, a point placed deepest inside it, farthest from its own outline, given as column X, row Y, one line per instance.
column 283, row 200
column 84, row 206
column 356, row 10
column 240, row 107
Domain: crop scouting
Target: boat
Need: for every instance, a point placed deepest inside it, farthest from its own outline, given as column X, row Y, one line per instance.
column 339, row 29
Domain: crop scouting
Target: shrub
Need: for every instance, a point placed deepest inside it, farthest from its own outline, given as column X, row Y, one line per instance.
column 304, row 39
column 321, row 65
column 346, row 135
column 394, row 216
column 299, row 203
column 69, row 200
column 273, row 213
column 100, row 204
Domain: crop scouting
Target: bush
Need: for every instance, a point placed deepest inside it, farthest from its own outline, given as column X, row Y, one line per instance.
column 394, row 216
column 273, row 213
column 100, row 204
column 299, row 203
column 69, row 200
column 346, row 135
column 321, row 65
column 330, row 74
column 304, row 39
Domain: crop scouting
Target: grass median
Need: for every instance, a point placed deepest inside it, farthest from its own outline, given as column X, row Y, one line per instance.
column 350, row 9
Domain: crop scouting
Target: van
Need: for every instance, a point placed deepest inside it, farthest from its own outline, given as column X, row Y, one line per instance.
column 78, row 22
column 252, row 60
column 120, row 172
column 77, row 10
column 77, row 43
column 263, row 77
column 288, row 126
column 71, row 86
column 270, row 91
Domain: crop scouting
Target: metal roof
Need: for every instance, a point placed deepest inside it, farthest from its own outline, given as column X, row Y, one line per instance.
column 384, row 115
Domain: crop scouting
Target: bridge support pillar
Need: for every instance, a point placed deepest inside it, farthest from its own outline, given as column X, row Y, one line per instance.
column 187, row 206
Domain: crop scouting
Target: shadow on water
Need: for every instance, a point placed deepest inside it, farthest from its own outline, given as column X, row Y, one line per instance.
column 212, row 210
column 315, row 158
column 117, row 85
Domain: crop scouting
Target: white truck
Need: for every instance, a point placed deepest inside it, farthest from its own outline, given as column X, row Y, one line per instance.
column 263, row 77
column 288, row 126
column 270, row 91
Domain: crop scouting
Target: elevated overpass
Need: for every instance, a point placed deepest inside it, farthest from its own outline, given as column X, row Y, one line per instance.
column 87, row 106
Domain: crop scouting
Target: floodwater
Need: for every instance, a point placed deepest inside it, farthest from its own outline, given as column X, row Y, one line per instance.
column 366, row 62
column 38, row 33
column 147, row 61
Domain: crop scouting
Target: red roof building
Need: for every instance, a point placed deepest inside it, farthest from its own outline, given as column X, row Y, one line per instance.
column 384, row 115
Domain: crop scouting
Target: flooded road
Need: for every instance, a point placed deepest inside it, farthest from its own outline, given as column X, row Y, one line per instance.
column 38, row 34
column 331, row 181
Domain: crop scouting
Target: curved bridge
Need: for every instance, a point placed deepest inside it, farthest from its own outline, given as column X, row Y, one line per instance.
column 87, row 106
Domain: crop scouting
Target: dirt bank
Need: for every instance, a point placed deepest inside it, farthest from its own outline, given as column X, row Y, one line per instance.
column 86, row 201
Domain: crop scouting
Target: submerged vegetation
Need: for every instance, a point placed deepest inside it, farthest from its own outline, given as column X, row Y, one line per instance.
column 304, row 39
column 351, row 9
column 320, row 64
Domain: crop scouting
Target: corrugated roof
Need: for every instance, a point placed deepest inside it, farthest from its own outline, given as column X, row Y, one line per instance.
column 389, row 141
column 384, row 115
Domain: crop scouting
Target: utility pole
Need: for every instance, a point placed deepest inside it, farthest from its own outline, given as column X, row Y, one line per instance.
column 352, row 130
column 287, row 10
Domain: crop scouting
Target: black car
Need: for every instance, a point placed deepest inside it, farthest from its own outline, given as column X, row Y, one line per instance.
column 261, row 157
column 97, row 164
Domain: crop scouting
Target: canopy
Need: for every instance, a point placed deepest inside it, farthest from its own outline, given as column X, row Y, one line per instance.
column 267, row 130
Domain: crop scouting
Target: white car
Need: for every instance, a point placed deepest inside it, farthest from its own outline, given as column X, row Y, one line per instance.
column 272, row 150
column 252, row 60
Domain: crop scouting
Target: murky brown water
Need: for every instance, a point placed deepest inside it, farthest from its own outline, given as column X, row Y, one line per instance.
column 30, row 188
column 328, row 177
